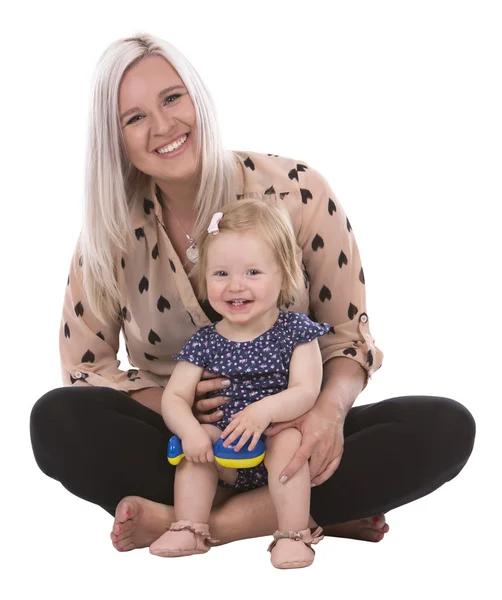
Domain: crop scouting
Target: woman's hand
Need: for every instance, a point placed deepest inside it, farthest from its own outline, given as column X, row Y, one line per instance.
column 322, row 442
column 201, row 405
column 249, row 422
column 198, row 446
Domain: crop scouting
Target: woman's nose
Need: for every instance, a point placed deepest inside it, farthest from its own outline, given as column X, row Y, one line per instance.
column 162, row 124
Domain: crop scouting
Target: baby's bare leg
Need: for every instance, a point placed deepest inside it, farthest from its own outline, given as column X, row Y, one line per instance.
column 195, row 487
column 194, row 491
column 291, row 499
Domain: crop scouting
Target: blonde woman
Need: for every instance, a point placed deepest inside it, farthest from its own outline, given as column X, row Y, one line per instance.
column 156, row 173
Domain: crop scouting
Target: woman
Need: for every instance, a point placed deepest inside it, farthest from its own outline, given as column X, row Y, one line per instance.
column 156, row 173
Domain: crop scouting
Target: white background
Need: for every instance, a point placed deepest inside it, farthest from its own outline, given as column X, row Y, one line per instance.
column 398, row 104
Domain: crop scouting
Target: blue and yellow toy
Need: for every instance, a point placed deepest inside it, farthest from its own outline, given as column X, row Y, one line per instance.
column 226, row 457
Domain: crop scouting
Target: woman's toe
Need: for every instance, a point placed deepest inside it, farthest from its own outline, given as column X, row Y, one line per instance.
column 377, row 522
column 372, row 535
column 127, row 547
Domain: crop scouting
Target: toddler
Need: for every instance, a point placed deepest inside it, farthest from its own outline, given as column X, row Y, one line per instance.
column 248, row 272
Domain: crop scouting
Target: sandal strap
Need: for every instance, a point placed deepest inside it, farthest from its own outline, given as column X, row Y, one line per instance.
column 201, row 529
column 306, row 536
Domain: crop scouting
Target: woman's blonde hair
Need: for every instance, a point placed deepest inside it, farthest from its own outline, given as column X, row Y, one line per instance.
column 270, row 221
column 114, row 185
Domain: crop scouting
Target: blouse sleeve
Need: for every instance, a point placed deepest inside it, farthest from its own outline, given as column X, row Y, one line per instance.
column 196, row 350
column 333, row 266
column 88, row 348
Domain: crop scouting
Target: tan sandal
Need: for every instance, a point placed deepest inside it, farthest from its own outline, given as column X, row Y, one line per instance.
column 201, row 540
column 293, row 556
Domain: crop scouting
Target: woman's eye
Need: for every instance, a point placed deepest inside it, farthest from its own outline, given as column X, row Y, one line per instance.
column 167, row 100
column 133, row 119
column 175, row 96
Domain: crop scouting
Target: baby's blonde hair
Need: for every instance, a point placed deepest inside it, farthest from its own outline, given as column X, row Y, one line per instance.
column 270, row 221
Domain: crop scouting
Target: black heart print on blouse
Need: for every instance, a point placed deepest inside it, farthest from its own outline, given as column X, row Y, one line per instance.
column 306, row 195
column 147, row 205
column 249, row 164
column 143, row 285
column 342, row 259
column 153, row 338
column 317, row 243
column 163, row 303
column 88, row 357
column 324, row 294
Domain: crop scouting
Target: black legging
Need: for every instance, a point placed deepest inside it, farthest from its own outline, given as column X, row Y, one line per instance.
column 102, row 445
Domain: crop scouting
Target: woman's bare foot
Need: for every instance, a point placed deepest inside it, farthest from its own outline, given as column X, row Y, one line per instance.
column 371, row 529
column 139, row 522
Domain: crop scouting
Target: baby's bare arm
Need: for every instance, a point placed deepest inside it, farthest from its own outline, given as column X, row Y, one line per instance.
column 178, row 398
column 304, row 385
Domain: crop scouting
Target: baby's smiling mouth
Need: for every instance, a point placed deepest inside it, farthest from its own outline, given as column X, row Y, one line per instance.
column 238, row 302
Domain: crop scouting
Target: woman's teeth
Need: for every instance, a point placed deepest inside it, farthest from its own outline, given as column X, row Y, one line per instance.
column 179, row 142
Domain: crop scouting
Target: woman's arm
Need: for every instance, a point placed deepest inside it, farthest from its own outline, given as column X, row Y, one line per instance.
column 336, row 276
column 337, row 297
column 88, row 347
column 149, row 397
column 343, row 381
column 322, row 426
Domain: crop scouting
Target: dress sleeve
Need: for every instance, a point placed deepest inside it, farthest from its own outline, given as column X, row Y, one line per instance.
column 305, row 330
column 333, row 266
column 196, row 350
column 88, row 348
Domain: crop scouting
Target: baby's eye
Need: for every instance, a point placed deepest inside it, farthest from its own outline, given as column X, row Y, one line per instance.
column 221, row 273
column 253, row 272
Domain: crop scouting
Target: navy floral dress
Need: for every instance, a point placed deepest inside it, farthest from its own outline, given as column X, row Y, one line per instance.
column 256, row 369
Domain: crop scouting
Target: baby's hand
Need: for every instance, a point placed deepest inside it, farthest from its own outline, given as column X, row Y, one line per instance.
column 198, row 446
column 249, row 422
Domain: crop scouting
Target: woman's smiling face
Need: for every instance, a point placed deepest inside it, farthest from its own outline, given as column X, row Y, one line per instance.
column 158, row 121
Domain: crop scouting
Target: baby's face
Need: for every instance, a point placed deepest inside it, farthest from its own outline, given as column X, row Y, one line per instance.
column 244, row 279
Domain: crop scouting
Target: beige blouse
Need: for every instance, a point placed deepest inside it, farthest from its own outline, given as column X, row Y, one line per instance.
column 161, row 310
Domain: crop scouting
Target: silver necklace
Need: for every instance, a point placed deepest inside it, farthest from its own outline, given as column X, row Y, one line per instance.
column 192, row 252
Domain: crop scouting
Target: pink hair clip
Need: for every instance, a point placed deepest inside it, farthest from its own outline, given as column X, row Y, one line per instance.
column 213, row 226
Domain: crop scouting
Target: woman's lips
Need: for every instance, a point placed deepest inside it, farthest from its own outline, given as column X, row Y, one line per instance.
column 176, row 152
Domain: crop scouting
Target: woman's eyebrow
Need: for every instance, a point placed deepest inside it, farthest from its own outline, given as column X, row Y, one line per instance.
column 160, row 94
